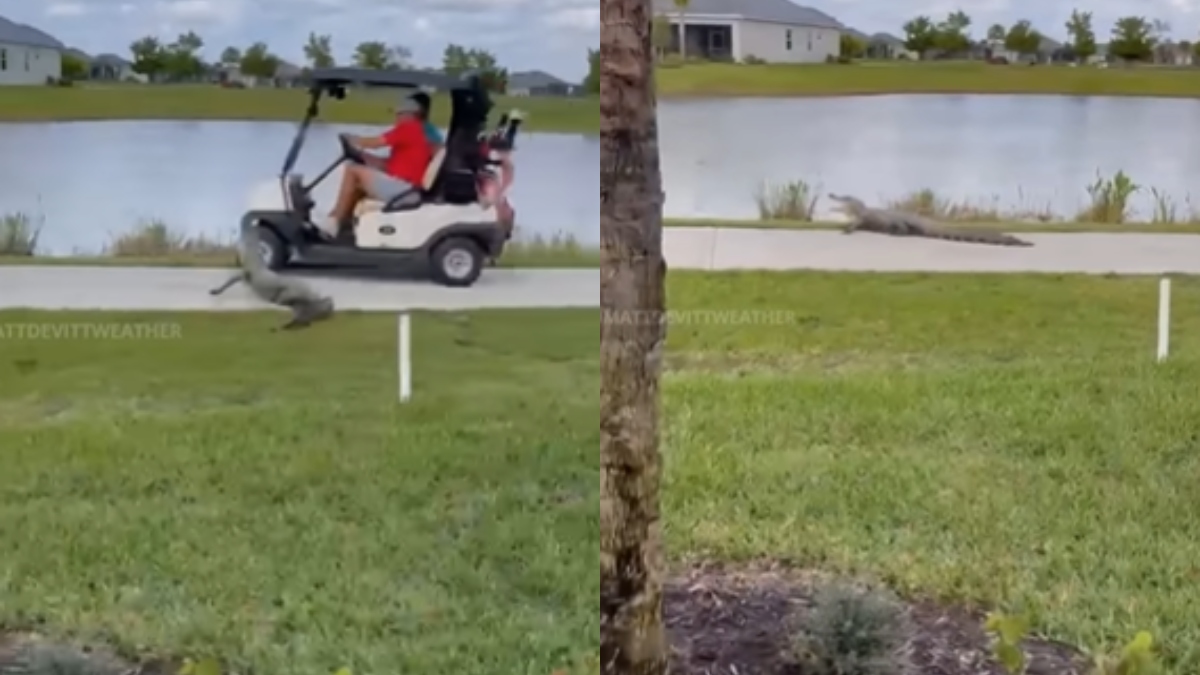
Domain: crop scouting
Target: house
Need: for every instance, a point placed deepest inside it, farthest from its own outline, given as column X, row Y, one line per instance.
column 112, row 68
column 775, row 31
column 888, row 46
column 27, row 55
column 539, row 83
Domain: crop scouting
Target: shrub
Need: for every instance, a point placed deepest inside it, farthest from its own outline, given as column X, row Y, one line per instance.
column 853, row 632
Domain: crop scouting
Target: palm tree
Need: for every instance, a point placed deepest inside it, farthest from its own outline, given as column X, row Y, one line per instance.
column 632, row 332
column 682, row 6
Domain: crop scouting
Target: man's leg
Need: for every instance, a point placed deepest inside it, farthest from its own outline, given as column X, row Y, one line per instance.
column 384, row 188
column 354, row 178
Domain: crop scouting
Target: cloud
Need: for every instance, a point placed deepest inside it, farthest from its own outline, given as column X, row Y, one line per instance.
column 550, row 35
column 66, row 9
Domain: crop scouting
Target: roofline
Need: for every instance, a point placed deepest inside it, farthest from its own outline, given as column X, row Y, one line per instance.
column 741, row 17
column 35, row 45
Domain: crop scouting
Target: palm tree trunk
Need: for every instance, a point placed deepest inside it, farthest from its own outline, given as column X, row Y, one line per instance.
column 632, row 271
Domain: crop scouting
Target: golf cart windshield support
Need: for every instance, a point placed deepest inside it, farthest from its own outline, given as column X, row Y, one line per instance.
column 302, row 131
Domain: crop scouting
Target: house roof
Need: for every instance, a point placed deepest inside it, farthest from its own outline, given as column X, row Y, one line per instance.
column 856, row 34
column 110, row 60
column 533, row 79
column 21, row 34
column 80, row 54
column 887, row 39
column 769, row 11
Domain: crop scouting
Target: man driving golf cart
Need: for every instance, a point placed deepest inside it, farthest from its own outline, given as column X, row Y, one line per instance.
column 384, row 178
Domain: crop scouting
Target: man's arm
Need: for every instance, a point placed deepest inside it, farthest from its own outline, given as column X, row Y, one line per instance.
column 370, row 142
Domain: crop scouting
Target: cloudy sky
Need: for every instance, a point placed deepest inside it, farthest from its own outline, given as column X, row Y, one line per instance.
column 550, row 35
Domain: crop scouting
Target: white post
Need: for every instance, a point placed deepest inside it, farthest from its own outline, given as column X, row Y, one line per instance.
column 1164, row 318
column 404, row 357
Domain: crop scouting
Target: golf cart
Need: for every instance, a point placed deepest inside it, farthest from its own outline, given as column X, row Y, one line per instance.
column 440, row 223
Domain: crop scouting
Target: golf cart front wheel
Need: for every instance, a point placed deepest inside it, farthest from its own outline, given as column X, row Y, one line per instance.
column 457, row 261
column 271, row 250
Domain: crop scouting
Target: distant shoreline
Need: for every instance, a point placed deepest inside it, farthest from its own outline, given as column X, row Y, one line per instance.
column 871, row 78
column 86, row 102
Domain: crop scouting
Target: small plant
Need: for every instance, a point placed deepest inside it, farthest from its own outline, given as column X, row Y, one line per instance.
column 154, row 238
column 853, row 632
column 753, row 60
column 1136, row 658
column 795, row 200
column 1109, row 199
column 1007, row 633
column 1165, row 210
column 19, row 234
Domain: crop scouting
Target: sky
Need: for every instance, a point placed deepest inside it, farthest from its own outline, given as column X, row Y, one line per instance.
column 549, row 35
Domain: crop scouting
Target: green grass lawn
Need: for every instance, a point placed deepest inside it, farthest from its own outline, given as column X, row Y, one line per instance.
column 703, row 79
column 205, row 102
column 1053, row 226
column 1001, row 439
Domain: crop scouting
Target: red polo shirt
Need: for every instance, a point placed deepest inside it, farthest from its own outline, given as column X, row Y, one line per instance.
column 410, row 151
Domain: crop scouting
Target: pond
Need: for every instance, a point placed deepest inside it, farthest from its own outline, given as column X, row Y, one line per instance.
column 92, row 179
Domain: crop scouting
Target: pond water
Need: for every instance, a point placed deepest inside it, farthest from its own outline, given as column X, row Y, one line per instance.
column 91, row 179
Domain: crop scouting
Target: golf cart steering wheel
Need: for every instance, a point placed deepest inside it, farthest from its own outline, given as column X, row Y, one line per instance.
column 349, row 152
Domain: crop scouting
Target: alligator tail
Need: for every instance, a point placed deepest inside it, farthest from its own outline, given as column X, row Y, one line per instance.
column 992, row 238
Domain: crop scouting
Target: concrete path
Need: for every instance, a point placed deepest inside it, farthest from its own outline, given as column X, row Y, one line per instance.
column 740, row 249
column 153, row 289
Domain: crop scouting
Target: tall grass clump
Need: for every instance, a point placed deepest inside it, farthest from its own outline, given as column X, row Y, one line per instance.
column 19, row 234
column 1108, row 200
column 155, row 238
column 793, row 200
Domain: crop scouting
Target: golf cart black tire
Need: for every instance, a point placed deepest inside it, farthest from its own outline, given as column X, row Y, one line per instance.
column 278, row 256
column 443, row 250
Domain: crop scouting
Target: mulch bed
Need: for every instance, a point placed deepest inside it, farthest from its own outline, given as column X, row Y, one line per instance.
column 739, row 622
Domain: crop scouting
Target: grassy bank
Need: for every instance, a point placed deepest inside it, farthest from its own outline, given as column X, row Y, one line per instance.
column 1032, row 457
column 897, row 77
column 204, row 102
column 1108, row 208
column 157, row 244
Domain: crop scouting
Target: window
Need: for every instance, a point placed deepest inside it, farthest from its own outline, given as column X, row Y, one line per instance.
column 788, row 39
column 3, row 59
column 809, row 34
column 26, row 60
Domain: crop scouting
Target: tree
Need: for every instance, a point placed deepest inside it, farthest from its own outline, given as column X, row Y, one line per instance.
column 319, row 51
column 851, row 47
column 996, row 33
column 231, row 56
column 182, row 57
column 919, row 35
column 660, row 35
column 1083, row 38
column 258, row 61
column 592, row 83
column 1132, row 39
column 457, row 60
column 951, row 34
column 681, row 6
column 1022, row 38
column 371, row 55
column 398, row 57
column 632, row 639
column 149, row 57
column 73, row 67
column 1163, row 51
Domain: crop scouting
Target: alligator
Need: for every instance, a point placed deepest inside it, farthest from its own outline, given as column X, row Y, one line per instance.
column 308, row 306
column 900, row 224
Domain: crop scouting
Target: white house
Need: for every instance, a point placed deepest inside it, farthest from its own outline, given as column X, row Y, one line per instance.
column 27, row 55
column 775, row 31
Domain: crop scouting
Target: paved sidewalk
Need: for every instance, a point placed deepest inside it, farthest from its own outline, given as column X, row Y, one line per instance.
column 160, row 288
column 742, row 249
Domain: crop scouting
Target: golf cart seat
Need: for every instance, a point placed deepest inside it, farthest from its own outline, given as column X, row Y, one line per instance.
column 411, row 199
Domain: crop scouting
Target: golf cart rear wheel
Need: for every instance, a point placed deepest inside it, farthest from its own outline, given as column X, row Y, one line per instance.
column 271, row 250
column 457, row 261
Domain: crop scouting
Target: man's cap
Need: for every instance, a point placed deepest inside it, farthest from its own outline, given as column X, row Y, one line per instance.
column 408, row 105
